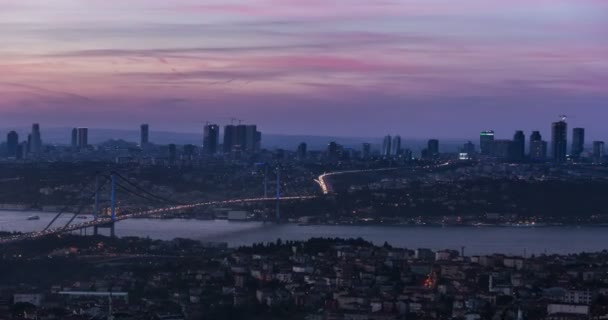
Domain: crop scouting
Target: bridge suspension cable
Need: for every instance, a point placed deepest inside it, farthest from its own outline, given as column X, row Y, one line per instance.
column 129, row 191
column 84, row 204
column 169, row 201
column 67, row 206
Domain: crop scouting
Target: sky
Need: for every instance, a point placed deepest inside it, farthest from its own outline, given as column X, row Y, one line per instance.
column 418, row 68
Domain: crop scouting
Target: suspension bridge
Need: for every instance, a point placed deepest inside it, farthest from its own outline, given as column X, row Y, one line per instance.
column 110, row 215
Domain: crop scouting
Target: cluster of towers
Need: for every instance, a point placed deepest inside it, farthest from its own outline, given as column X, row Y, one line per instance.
column 20, row 150
column 538, row 149
column 391, row 146
column 237, row 138
column 80, row 138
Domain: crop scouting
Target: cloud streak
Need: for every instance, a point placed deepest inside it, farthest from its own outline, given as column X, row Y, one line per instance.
column 394, row 56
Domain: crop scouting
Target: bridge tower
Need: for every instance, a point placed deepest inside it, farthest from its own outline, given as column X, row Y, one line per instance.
column 96, row 207
column 113, row 198
column 278, row 213
column 110, row 225
column 266, row 180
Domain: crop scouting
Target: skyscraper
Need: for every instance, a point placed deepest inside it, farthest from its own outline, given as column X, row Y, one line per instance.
column 230, row 138
column 386, row 145
column 74, row 143
column 172, row 153
column 578, row 142
column 367, row 150
column 302, row 150
column 598, row 151
column 83, row 138
column 433, row 148
column 519, row 146
column 242, row 138
column 469, row 149
column 407, row 154
column 12, row 143
column 211, row 138
column 251, row 142
column 36, row 141
column 538, row 147
column 503, row 149
column 486, row 142
column 535, row 136
column 332, row 150
column 144, row 135
column 538, row 150
column 189, row 151
column 22, row 151
column 396, row 146
column 559, row 140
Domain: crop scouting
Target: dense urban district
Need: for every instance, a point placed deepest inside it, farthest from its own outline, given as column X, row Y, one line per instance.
column 54, row 274
column 72, row 277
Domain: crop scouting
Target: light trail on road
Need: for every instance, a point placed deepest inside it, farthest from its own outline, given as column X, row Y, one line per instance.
column 326, row 186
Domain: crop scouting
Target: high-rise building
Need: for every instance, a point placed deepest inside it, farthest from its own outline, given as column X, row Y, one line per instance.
column 578, row 142
column 172, row 153
column 22, row 151
column 433, row 148
column 396, row 145
column 333, row 150
column 535, row 136
column 189, row 151
column 83, row 138
column 559, row 140
column 302, row 151
column 469, row 148
column 242, row 138
column 28, row 144
column 538, row 150
column 386, row 145
column 12, row 143
column 503, row 149
column 486, row 142
column 211, row 138
column 519, row 146
column 407, row 154
column 36, row 141
column 230, row 138
column 252, row 140
column 367, row 150
column 538, row 147
column 144, row 135
column 598, row 151
column 74, row 142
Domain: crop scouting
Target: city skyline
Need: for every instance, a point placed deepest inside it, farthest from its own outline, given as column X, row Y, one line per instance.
column 414, row 68
column 545, row 130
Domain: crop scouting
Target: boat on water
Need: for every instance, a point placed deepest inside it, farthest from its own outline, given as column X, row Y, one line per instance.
column 33, row 218
column 481, row 224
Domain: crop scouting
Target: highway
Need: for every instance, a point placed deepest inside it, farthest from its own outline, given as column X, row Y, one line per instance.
column 141, row 214
column 325, row 185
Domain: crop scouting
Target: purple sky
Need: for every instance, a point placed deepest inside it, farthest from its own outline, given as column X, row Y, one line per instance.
column 418, row 68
